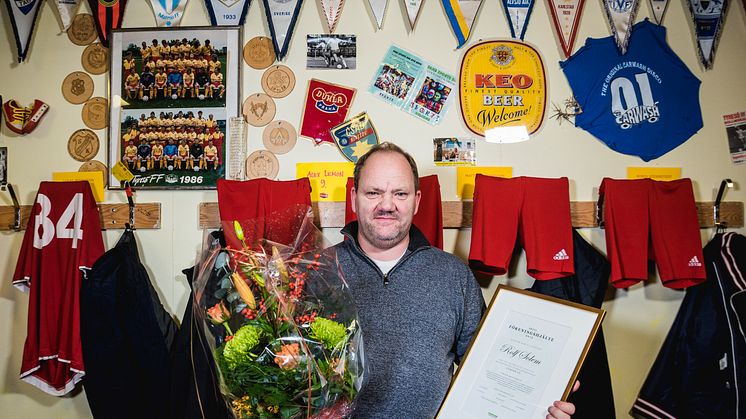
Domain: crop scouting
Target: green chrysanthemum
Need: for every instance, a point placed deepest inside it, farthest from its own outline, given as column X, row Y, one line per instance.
column 328, row 332
column 238, row 349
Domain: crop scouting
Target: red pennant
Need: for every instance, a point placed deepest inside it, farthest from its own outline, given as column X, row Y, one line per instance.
column 108, row 15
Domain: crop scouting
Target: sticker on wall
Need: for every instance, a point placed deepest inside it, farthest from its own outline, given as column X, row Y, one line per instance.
column 566, row 18
column 461, row 15
column 279, row 137
column 168, row 13
column 708, row 16
column 518, row 13
column 259, row 53
column 67, row 9
column 413, row 11
column 281, row 17
column 659, row 9
column 503, row 89
column 83, row 30
column 23, row 120
column 410, row 83
column 259, row 109
column 95, row 58
column 332, row 10
column 621, row 14
column 378, row 7
column 355, row 136
column 326, row 106
column 23, row 20
column 108, row 15
column 227, row 12
column 454, row 151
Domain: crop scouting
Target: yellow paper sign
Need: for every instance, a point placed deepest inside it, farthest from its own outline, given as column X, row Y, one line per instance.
column 465, row 178
column 328, row 180
column 502, row 84
column 121, row 172
column 655, row 173
column 96, row 179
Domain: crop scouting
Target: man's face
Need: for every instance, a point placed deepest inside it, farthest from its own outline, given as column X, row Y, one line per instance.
column 385, row 200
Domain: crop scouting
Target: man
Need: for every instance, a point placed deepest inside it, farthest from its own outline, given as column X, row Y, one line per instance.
column 418, row 306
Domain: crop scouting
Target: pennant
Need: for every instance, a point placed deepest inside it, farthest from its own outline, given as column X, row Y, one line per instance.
column 621, row 14
column 355, row 136
column 67, row 9
column 659, row 9
column 461, row 15
column 108, row 15
column 413, row 11
column 518, row 12
column 23, row 19
column 281, row 17
column 708, row 16
column 378, row 7
column 227, row 12
column 327, row 105
column 332, row 10
column 168, row 13
column 566, row 19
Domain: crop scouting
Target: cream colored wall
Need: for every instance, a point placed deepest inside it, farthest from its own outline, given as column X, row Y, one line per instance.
column 638, row 318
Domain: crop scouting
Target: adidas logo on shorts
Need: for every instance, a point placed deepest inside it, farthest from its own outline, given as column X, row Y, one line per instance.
column 694, row 262
column 561, row 255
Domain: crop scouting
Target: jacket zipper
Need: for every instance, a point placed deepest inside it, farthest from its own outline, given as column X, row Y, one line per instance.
column 370, row 262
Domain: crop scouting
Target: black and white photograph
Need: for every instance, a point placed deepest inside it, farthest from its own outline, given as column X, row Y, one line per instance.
column 332, row 52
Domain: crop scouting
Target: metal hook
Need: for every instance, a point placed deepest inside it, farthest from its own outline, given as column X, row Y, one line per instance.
column 599, row 211
column 720, row 226
column 131, row 202
column 16, row 209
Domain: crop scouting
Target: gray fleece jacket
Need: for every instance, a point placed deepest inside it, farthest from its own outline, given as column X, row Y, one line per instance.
column 416, row 322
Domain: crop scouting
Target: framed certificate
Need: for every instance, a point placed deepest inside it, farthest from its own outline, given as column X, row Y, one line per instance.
column 526, row 354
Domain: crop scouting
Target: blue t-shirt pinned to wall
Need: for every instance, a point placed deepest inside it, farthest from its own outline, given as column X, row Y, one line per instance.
column 644, row 103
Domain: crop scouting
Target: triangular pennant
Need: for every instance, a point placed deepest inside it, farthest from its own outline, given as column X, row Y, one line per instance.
column 168, row 13
column 708, row 16
column 108, row 15
column 378, row 7
column 332, row 10
column 621, row 14
column 67, row 9
column 659, row 9
column 518, row 12
column 566, row 18
column 461, row 15
column 413, row 11
column 23, row 19
column 281, row 17
column 227, row 12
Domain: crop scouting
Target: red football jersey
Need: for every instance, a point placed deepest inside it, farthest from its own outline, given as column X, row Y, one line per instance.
column 63, row 239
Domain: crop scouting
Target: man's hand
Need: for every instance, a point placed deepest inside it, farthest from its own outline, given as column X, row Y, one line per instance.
column 563, row 410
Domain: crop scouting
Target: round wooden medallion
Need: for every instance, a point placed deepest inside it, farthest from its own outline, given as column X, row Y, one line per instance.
column 95, row 58
column 82, row 30
column 279, row 137
column 259, row 53
column 259, row 109
column 83, row 145
column 96, row 113
column 262, row 163
column 77, row 87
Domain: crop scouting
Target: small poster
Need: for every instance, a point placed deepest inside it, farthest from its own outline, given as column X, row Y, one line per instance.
column 328, row 179
column 408, row 82
column 735, row 127
column 327, row 105
column 454, row 152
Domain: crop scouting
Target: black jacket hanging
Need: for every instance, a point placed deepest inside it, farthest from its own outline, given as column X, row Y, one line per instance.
column 594, row 399
column 700, row 371
column 126, row 334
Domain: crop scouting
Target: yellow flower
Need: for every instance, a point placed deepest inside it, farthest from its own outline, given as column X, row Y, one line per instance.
column 243, row 290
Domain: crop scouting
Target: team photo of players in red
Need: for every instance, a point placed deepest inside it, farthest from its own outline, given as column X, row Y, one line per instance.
column 180, row 141
column 175, row 69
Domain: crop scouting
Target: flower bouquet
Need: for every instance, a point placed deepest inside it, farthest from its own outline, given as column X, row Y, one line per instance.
column 287, row 341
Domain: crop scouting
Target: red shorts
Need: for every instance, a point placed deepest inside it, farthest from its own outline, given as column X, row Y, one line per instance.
column 536, row 210
column 267, row 209
column 429, row 217
column 638, row 212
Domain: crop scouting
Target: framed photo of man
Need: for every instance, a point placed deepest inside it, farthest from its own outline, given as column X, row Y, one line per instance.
column 527, row 353
column 172, row 94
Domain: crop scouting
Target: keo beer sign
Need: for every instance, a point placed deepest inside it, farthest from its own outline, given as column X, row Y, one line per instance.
column 502, row 84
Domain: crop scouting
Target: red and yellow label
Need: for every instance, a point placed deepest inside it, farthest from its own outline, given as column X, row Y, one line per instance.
column 502, row 84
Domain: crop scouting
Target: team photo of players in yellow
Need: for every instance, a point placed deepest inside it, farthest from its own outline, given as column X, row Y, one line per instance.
column 181, row 141
column 176, row 69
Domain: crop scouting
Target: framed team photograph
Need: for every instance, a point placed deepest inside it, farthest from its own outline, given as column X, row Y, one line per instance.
column 172, row 94
column 332, row 52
